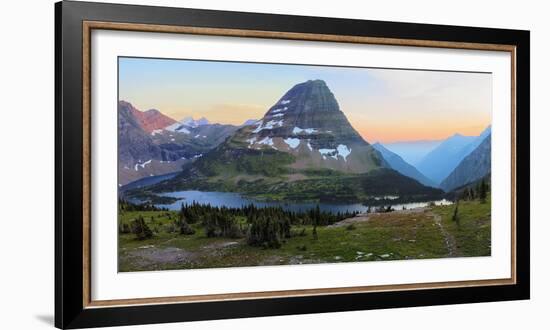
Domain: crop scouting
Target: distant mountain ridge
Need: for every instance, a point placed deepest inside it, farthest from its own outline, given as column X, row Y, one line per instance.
column 185, row 124
column 472, row 168
column 400, row 165
column 149, row 120
column 441, row 161
column 412, row 151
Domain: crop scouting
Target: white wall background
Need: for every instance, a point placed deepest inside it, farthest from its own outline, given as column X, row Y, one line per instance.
column 27, row 163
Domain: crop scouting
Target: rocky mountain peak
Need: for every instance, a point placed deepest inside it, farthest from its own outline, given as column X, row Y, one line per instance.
column 149, row 120
column 308, row 110
column 307, row 123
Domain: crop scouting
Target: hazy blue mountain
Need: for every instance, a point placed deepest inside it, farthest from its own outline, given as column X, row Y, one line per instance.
column 441, row 161
column 477, row 141
column 413, row 151
column 473, row 167
column 397, row 163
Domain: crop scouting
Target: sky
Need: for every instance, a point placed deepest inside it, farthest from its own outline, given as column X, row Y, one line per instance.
column 383, row 105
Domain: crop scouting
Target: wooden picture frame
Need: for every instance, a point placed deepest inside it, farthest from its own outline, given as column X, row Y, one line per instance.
column 75, row 308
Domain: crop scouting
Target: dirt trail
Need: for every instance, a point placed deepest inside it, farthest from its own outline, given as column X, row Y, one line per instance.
column 150, row 255
column 364, row 217
column 450, row 241
column 349, row 221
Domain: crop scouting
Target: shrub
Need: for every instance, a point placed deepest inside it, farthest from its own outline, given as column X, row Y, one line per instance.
column 455, row 214
column 170, row 228
column 140, row 229
column 124, row 229
column 314, row 233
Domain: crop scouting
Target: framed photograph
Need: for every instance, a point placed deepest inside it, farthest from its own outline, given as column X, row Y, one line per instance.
column 214, row 164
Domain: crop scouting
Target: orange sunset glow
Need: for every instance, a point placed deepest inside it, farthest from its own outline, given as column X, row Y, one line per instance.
column 383, row 105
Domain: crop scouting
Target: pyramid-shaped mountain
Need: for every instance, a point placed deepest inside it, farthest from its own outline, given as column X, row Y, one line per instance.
column 307, row 123
column 309, row 110
column 304, row 148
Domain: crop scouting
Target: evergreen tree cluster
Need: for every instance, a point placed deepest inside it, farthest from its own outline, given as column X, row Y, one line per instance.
column 184, row 227
column 140, row 229
column 267, row 227
column 124, row 205
column 477, row 192
column 268, row 232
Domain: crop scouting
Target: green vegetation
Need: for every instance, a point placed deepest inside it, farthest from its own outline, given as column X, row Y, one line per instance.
column 472, row 228
column 224, row 161
column 320, row 186
column 140, row 229
column 223, row 237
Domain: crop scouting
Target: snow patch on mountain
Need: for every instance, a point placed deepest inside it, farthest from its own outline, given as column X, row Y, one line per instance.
column 292, row 142
column 267, row 141
column 285, row 102
column 269, row 125
column 279, row 110
column 343, row 151
column 328, row 152
column 156, row 131
column 298, row 130
column 142, row 165
column 309, row 145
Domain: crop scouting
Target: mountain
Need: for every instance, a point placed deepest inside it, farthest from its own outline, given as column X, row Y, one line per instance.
column 413, row 151
column 437, row 164
column 477, row 141
column 472, row 168
column 185, row 124
column 249, row 122
column 308, row 124
column 146, row 148
column 397, row 163
column 138, row 155
column 149, row 120
column 441, row 161
column 304, row 148
column 134, row 143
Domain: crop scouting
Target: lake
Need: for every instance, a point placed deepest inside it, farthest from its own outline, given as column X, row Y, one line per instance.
column 236, row 200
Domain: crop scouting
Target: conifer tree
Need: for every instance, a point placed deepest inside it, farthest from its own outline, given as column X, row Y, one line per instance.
column 455, row 214
column 483, row 191
column 141, row 229
column 185, row 228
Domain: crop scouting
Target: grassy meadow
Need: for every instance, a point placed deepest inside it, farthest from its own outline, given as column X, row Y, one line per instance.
column 430, row 232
